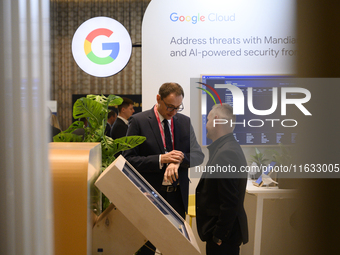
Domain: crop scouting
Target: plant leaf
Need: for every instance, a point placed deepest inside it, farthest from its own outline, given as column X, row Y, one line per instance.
column 107, row 146
column 94, row 135
column 126, row 143
column 113, row 100
column 74, row 126
column 67, row 137
column 100, row 99
column 90, row 109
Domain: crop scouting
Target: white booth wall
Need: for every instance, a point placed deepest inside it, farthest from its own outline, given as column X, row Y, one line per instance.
column 259, row 22
column 252, row 26
column 176, row 49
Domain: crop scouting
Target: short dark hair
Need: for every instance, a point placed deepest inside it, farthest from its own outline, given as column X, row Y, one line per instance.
column 125, row 104
column 111, row 113
column 169, row 88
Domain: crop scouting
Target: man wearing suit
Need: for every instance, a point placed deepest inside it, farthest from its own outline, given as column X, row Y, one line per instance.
column 220, row 215
column 111, row 117
column 169, row 150
column 125, row 110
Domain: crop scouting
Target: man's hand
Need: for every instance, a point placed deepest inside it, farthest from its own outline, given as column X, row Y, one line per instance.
column 216, row 240
column 171, row 172
column 173, row 156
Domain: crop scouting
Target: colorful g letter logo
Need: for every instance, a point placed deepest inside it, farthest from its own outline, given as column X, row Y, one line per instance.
column 101, row 46
column 114, row 47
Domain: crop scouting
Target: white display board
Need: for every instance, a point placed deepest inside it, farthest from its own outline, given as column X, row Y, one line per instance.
column 183, row 39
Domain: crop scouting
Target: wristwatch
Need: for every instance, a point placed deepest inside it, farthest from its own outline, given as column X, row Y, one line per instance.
column 216, row 240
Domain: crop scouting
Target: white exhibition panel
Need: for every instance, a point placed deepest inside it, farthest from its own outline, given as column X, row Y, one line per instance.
column 183, row 39
column 147, row 211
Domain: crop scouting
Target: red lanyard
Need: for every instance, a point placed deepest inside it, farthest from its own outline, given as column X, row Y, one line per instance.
column 162, row 130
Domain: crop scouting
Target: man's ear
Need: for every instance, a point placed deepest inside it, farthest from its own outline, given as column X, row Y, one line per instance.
column 158, row 98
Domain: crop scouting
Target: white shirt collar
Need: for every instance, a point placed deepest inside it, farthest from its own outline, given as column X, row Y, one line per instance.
column 125, row 120
column 161, row 118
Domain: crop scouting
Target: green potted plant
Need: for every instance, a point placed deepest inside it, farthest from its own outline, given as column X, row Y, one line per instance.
column 95, row 109
column 257, row 161
column 283, row 156
column 259, row 158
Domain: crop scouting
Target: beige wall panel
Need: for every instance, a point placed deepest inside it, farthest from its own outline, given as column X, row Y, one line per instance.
column 74, row 167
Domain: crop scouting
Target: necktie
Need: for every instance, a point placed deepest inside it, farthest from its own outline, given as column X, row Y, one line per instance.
column 167, row 134
column 168, row 142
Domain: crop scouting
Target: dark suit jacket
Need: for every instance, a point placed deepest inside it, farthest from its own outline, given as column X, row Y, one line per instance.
column 107, row 129
column 145, row 157
column 119, row 129
column 219, row 197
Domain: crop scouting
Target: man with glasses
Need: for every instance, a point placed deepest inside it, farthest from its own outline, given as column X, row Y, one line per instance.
column 169, row 150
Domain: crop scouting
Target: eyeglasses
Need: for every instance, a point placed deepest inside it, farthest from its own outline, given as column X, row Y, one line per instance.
column 171, row 109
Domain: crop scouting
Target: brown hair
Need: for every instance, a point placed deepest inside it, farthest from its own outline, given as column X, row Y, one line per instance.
column 125, row 104
column 169, row 88
column 111, row 113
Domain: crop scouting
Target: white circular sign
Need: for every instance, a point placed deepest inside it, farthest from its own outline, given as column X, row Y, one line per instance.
column 101, row 46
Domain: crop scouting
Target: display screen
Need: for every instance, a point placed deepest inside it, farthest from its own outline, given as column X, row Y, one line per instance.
column 251, row 129
column 155, row 198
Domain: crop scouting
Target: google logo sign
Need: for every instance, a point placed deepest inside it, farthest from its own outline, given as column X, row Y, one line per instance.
column 114, row 47
column 101, row 46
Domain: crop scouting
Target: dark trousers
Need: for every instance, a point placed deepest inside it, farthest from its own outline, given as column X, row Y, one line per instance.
column 231, row 246
column 224, row 249
column 175, row 200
